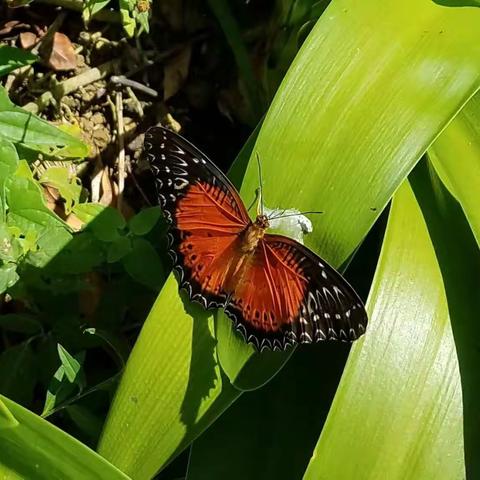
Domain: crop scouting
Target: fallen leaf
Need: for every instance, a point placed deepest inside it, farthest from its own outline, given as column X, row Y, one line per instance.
column 28, row 40
column 62, row 55
column 74, row 222
column 176, row 72
column 7, row 27
column 108, row 187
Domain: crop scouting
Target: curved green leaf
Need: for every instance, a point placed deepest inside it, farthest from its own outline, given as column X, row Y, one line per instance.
column 456, row 157
column 353, row 115
column 46, row 451
column 397, row 412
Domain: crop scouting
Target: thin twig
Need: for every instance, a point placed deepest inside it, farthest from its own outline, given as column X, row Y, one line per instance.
column 122, row 80
column 121, row 148
column 85, row 78
column 136, row 103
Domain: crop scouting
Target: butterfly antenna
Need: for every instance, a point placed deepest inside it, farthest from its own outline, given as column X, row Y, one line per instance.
column 257, row 193
column 276, row 217
column 260, row 196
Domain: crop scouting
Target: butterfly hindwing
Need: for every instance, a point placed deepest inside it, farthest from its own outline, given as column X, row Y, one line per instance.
column 204, row 211
column 290, row 295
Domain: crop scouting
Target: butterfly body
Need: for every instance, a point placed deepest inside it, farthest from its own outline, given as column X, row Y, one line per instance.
column 253, row 234
column 276, row 291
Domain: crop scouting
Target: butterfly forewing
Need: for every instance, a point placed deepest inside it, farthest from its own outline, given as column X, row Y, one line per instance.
column 280, row 293
column 204, row 210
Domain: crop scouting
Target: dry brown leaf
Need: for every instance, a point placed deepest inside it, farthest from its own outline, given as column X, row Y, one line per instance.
column 62, row 55
column 28, row 40
column 108, row 186
column 74, row 222
column 176, row 72
column 7, row 27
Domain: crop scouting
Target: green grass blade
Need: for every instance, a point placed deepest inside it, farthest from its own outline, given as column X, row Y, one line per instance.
column 459, row 259
column 32, row 448
column 353, row 115
column 397, row 413
column 456, row 157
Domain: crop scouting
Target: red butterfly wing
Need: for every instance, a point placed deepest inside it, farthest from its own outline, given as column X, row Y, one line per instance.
column 205, row 212
column 280, row 294
column 287, row 294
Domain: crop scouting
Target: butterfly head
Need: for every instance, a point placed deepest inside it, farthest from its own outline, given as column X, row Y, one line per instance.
column 262, row 222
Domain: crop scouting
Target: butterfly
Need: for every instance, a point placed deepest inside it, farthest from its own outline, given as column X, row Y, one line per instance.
column 276, row 291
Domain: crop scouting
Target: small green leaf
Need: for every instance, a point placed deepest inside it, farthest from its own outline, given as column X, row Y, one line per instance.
column 144, row 265
column 71, row 365
column 22, row 127
column 10, row 249
column 8, row 165
column 106, row 225
column 92, row 7
column 144, row 221
column 80, row 254
column 5, row 102
column 27, row 209
column 118, row 249
column 50, row 244
column 57, row 391
column 8, row 276
column 87, row 212
column 12, row 58
column 60, row 387
column 67, row 185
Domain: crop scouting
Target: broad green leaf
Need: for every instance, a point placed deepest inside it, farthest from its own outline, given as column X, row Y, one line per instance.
column 69, row 187
column 70, row 364
column 456, row 157
column 144, row 221
column 7, row 420
column 12, row 58
column 352, row 117
column 397, row 413
column 35, row 449
column 143, row 264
